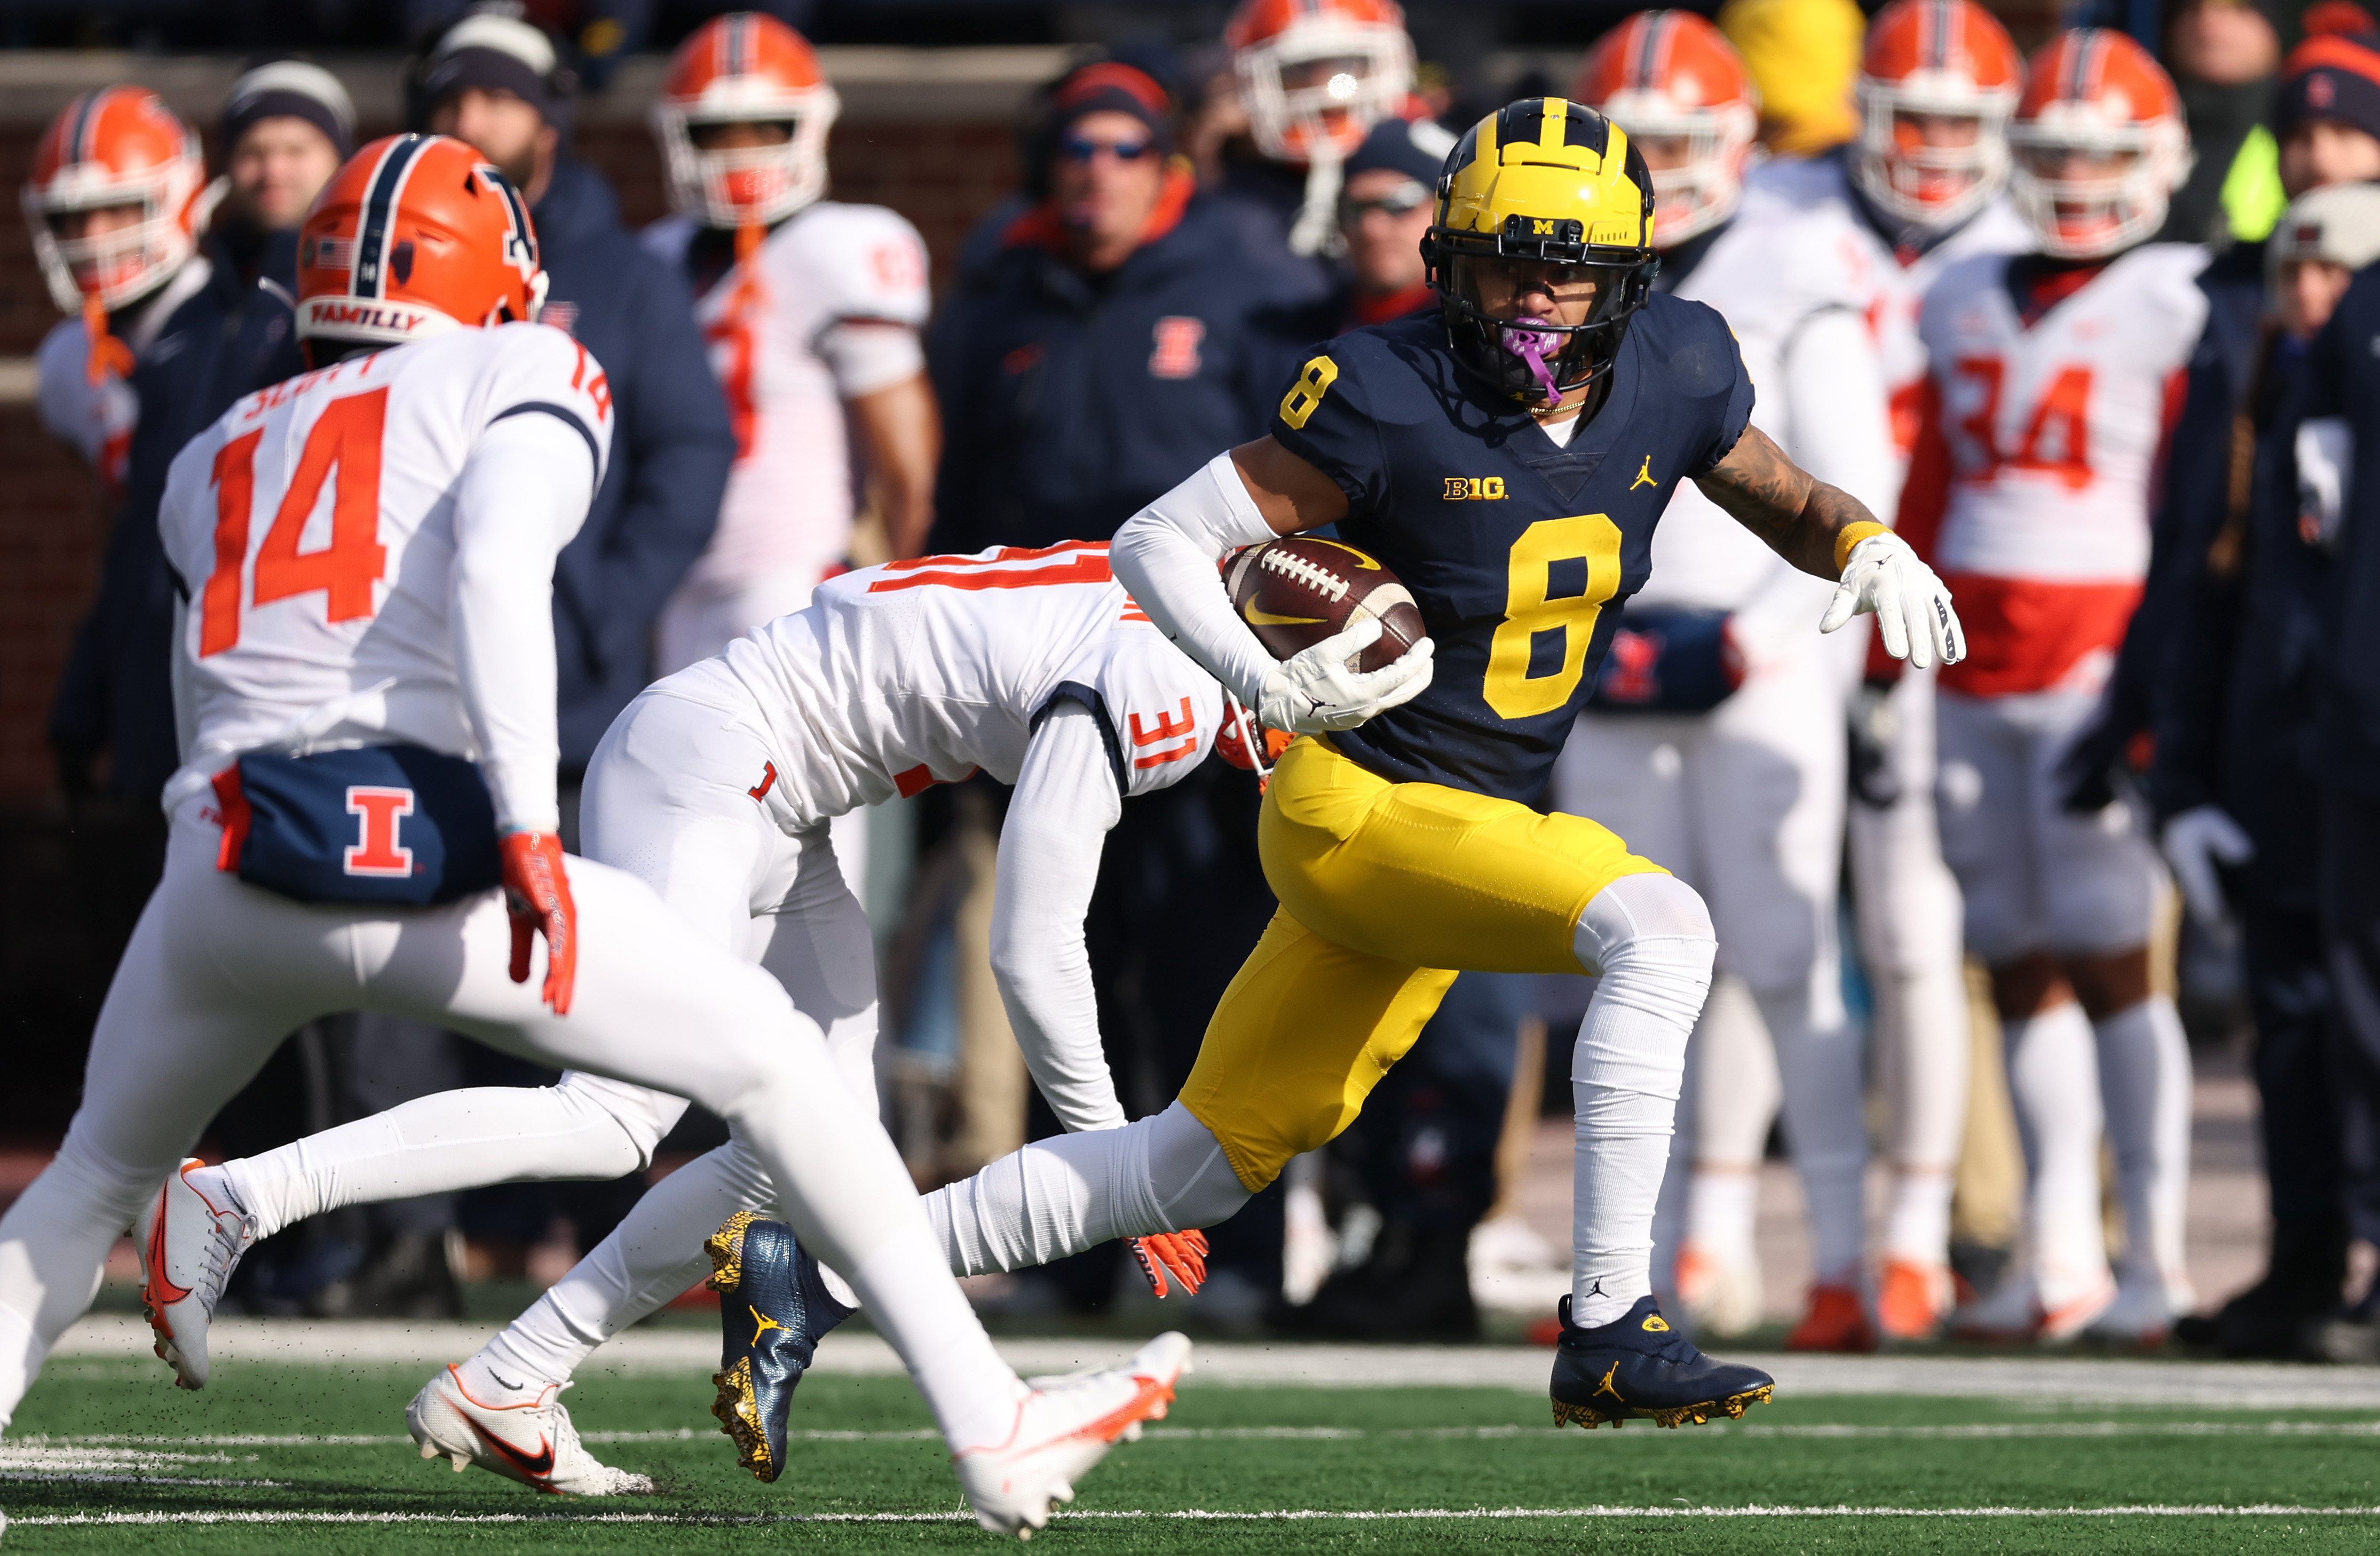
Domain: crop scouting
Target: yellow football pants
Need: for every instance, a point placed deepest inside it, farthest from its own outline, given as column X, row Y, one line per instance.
column 1387, row 890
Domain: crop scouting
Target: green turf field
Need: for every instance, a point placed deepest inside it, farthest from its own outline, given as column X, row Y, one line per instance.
column 105, row 1457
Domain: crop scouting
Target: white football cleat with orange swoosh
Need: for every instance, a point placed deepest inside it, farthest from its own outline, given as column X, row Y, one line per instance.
column 189, row 1238
column 1064, row 1427
column 529, row 1440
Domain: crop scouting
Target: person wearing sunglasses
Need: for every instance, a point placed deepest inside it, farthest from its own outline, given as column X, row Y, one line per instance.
column 1384, row 208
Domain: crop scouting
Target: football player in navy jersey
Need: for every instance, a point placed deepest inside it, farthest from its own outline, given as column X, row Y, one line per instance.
column 1508, row 459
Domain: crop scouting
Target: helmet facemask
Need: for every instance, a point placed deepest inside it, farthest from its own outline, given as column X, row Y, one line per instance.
column 1707, row 186
column 2090, row 215
column 1532, row 357
column 1315, row 91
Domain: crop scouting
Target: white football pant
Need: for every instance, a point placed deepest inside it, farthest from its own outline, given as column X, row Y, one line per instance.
column 1910, row 936
column 219, row 973
column 1746, row 803
column 2038, row 878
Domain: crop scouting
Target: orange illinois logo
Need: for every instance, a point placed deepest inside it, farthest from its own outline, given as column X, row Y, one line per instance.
column 1176, row 352
column 376, row 850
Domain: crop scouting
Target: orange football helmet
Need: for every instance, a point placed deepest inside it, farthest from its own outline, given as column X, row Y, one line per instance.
column 1670, row 77
column 745, row 68
column 416, row 236
column 2100, row 144
column 1317, row 75
column 118, row 146
column 1935, row 60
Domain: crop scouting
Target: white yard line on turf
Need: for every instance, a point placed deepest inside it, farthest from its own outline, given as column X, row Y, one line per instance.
column 2029, row 1377
column 1416, row 1514
column 2001, row 1430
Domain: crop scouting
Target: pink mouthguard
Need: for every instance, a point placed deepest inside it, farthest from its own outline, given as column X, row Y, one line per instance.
column 1532, row 340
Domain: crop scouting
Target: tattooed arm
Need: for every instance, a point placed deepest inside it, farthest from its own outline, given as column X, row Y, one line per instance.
column 1826, row 532
column 1798, row 514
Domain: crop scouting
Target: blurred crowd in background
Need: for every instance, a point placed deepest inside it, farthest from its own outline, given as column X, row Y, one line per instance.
column 793, row 399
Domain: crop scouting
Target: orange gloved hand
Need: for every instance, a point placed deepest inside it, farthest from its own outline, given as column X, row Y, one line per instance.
column 1182, row 1254
column 536, row 894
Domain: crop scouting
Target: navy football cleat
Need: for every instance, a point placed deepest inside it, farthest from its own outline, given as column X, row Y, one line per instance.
column 773, row 1310
column 1639, row 1366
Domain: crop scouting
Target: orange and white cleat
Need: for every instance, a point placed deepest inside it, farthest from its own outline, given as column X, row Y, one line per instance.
column 1836, row 1321
column 524, row 1436
column 189, row 1238
column 1064, row 1426
column 1913, row 1300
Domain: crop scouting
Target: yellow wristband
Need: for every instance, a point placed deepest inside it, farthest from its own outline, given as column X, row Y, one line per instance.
column 1847, row 539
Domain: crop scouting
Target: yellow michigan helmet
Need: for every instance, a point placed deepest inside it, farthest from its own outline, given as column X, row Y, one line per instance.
column 1552, row 182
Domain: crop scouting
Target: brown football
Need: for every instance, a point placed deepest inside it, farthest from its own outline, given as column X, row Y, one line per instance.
column 1295, row 592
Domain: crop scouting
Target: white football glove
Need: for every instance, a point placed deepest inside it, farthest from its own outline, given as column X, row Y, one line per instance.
column 1913, row 607
column 2194, row 842
column 1313, row 690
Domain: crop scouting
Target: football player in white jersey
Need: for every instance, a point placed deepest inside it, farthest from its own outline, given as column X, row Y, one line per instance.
column 718, row 787
column 1926, row 186
column 1739, row 788
column 2055, row 375
column 365, row 679
column 812, row 309
column 115, row 200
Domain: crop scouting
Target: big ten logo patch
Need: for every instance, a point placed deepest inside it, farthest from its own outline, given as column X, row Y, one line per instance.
column 1176, row 355
column 376, row 850
column 1474, row 488
column 1165, row 730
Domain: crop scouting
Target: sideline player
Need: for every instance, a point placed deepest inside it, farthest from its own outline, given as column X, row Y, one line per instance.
column 393, row 681
column 718, row 787
column 1399, row 834
column 1924, row 185
column 2055, row 376
column 1313, row 77
column 117, row 199
column 812, row 309
column 1739, row 787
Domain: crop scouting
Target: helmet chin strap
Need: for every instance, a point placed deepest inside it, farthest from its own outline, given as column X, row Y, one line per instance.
column 1315, row 231
column 1531, row 340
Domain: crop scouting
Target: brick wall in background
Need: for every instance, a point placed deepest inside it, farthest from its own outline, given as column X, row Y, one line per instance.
column 941, row 176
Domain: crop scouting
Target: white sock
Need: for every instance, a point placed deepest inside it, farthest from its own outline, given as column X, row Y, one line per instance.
column 2144, row 1078
column 1917, row 1228
column 1818, row 1061
column 2054, row 1080
column 1649, row 939
column 1062, row 1195
column 53, row 1244
column 435, row 1145
column 1720, row 1209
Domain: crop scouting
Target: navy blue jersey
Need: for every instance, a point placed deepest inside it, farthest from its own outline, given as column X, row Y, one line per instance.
column 1518, row 551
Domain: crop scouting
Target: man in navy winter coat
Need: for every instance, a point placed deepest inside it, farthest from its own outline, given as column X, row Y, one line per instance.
column 495, row 82
column 1109, row 345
